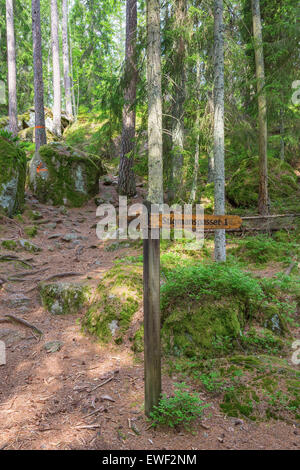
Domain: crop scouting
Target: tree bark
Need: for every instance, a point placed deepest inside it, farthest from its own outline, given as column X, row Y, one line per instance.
column 263, row 202
column 56, row 70
column 179, row 77
column 197, row 146
column 11, row 65
column 40, row 131
column 66, row 60
column 155, row 155
column 219, row 172
column 126, row 183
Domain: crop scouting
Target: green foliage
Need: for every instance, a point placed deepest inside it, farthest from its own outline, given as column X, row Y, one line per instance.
column 9, row 136
column 262, row 249
column 242, row 189
column 180, row 409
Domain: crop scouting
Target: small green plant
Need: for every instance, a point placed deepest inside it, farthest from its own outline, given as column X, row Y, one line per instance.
column 180, row 409
column 8, row 136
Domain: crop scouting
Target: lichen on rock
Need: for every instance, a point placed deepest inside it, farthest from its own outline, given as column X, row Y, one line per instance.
column 63, row 298
column 62, row 175
column 12, row 177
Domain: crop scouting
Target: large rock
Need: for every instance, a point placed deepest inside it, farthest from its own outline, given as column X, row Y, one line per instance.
column 62, row 298
column 12, row 177
column 28, row 135
column 27, row 120
column 60, row 175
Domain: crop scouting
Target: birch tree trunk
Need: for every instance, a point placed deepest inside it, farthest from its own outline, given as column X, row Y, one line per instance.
column 11, row 65
column 56, row 70
column 219, row 172
column 66, row 60
column 263, row 202
column 40, row 131
column 155, row 156
column 126, row 183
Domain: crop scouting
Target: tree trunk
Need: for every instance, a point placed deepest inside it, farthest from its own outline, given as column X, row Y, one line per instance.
column 126, row 184
column 219, row 173
column 11, row 65
column 40, row 131
column 66, row 60
column 263, row 203
column 179, row 76
column 282, row 144
column 197, row 146
column 56, row 70
column 155, row 157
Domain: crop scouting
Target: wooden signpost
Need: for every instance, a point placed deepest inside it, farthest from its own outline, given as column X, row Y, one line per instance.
column 151, row 277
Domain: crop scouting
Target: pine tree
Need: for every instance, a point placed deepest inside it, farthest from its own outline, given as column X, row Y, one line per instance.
column 263, row 203
column 40, row 131
column 56, row 69
column 219, row 171
column 66, row 59
column 126, row 183
column 155, row 157
column 11, row 65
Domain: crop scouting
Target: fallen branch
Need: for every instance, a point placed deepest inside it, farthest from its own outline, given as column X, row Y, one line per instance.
column 14, row 319
column 88, row 426
column 253, row 217
column 94, row 412
column 103, row 383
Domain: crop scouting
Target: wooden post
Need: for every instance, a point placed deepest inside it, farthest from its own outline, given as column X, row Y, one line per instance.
column 152, row 353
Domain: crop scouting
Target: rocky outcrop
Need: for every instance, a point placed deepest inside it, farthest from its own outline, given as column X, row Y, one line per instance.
column 27, row 120
column 61, row 175
column 12, row 177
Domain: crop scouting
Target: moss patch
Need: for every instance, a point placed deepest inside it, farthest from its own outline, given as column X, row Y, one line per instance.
column 12, row 177
column 118, row 298
column 21, row 244
column 31, row 231
column 207, row 310
column 64, row 298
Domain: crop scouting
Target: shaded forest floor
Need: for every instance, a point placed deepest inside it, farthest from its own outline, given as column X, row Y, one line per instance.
column 52, row 400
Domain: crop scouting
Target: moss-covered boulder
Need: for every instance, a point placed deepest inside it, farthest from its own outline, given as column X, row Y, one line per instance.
column 63, row 298
column 209, row 310
column 242, row 189
column 118, row 298
column 12, row 177
column 19, row 245
column 61, row 175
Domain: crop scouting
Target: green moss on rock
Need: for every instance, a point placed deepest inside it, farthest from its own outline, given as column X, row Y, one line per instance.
column 71, row 176
column 12, row 177
column 21, row 244
column 207, row 310
column 118, row 298
column 64, row 298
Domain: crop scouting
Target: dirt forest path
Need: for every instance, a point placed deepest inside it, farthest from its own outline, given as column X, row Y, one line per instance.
column 86, row 395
